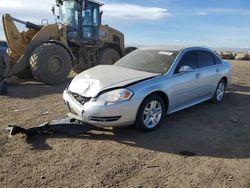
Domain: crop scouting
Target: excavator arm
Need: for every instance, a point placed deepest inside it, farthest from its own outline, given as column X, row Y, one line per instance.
column 17, row 41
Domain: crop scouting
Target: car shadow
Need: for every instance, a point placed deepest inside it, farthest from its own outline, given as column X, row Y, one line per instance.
column 31, row 89
column 212, row 130
column 237, row 87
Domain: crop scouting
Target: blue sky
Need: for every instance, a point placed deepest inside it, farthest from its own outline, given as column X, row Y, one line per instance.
column 214, row 23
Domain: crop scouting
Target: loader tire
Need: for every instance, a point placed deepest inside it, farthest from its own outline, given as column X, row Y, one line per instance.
column 108, row 56
column 50, row 63
column 25, row 74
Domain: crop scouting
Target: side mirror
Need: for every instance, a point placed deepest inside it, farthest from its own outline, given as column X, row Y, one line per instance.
column 185, row 68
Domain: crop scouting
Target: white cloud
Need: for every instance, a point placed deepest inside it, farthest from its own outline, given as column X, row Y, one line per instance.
column 11, row 4
column 27, row 5
column 28, row 10
column 36, row 10
column 201, row 13
column 232, row 11
column 133, row 12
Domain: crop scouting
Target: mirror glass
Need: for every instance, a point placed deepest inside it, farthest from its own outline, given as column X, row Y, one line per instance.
column 185, row 68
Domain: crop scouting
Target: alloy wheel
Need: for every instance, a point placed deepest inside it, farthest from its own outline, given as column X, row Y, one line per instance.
column 220, row 91
column 152, row 114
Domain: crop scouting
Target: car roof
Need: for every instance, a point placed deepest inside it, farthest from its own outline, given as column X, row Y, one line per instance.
column 175, row 48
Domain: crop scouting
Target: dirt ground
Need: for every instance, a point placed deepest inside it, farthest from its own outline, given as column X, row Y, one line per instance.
column 204, row 146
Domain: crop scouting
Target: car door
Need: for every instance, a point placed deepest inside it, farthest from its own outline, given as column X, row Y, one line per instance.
column 184, row 86
column 209, row 73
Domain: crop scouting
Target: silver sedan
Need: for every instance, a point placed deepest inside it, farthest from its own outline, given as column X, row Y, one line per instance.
column 147, row 84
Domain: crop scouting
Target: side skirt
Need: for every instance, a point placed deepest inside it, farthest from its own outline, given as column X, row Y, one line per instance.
column 170, row 111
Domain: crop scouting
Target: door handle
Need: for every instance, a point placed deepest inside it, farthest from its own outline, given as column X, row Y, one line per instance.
column 197, row 75
column 217, row 70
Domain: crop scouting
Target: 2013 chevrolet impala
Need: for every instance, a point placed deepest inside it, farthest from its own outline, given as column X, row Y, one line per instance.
column 147, row 84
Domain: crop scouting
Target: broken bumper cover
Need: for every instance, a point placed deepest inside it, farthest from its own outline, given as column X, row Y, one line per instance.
column 101, row 114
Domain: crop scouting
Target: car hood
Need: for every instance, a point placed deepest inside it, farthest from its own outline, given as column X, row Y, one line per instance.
column 92, row 81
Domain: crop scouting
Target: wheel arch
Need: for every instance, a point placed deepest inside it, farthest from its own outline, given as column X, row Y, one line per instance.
column 161, row 94
column 225, row 79
column 139, row 121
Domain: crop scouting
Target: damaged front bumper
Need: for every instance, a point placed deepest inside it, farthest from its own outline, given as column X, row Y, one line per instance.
column 101, row 114
column 66, row 125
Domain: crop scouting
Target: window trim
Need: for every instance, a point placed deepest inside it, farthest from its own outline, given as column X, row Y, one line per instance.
column 214, row 56
column 196, row 57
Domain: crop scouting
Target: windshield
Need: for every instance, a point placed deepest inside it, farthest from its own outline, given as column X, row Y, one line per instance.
column 154, row 61
column 68, row 13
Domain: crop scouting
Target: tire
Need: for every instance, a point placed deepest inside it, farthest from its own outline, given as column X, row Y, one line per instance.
column 108, row 56
column 50, row 63
column 219, row 92
column 25, row 74
column 154, row 118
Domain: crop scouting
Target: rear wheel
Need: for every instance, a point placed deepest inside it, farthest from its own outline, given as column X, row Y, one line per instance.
column 219, row 92
column 50, row 63
column 150, row 113
column 108, row 56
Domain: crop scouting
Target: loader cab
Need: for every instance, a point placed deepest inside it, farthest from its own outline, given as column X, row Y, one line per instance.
column 82, row 18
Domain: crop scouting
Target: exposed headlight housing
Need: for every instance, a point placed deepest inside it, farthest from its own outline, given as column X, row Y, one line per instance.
column 115, row 96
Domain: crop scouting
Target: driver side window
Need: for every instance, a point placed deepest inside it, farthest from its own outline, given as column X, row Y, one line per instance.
column 189, row 59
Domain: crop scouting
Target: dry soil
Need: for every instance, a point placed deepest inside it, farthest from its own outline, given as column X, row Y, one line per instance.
column 204, row 146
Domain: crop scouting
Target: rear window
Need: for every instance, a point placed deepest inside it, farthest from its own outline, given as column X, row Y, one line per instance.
column 205, row 59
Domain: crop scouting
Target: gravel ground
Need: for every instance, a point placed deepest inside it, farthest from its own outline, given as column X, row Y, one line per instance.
column 203, row 146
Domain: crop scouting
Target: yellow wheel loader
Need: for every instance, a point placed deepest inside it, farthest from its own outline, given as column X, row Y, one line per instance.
column 49, row 52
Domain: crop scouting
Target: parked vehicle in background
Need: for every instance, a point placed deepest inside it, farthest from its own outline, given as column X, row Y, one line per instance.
column 3, row 45
column 3, row 48
column 149, row 83
column 227, row 55
column 242, row 56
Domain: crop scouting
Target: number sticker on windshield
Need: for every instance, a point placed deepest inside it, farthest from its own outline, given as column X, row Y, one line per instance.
column 165, row 53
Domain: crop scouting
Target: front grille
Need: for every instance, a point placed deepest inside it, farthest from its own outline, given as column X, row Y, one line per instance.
column 104, row 119
column 82, row 100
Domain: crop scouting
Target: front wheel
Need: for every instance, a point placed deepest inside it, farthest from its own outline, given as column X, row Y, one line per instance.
column 219, row 92
column 150, row 113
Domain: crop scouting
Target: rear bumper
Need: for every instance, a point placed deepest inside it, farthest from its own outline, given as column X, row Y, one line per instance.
column 101, row 114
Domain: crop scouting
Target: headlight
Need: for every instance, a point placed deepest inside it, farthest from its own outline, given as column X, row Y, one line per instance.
column 116, row 96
